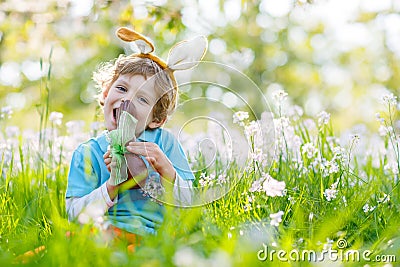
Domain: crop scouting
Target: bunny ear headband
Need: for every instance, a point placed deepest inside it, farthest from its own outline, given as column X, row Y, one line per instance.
column 184, row 55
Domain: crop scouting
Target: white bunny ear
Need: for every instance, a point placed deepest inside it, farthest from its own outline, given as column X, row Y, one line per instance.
column 128, row 35
column 187, row 54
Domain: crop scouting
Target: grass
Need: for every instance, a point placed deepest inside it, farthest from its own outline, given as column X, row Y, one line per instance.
column 327, row 187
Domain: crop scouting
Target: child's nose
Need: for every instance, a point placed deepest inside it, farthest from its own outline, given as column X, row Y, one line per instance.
column 127, row 105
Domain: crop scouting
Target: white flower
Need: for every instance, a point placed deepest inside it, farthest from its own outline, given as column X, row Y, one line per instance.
column 379, row 118
column 391, row 167
column 390, row 99
column 6, row 112
column 12, row 131
column 276, row 218
column 247, row 207
column 56, row 118
column 252, row 129
column 202, row 182
column 186, row 256
column 355, row 139
column 206, row 180
column 281, row 124
column 338, row 153
column 83, row 218
column 75, row 127
column 383, row 130
column 221, row 179
column 251, row 198
column 331, row 192
column 273, row 187
column 296, row 112
column 368, row 208
column 279, row 96
column 384, row 199
column 309, row 150
column 328, row 244
column 239, row 117
column 323, row 118
column 332, row 166
column 95, row 126
column 256, row 185
column 257, row 155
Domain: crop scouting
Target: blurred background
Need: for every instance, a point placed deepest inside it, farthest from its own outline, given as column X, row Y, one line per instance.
column 338, row 55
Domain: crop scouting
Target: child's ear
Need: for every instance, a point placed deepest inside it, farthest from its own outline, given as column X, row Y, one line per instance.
column 156, row 123
column 105, row 93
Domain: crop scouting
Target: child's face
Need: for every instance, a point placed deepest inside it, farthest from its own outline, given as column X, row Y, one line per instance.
column 143, row 97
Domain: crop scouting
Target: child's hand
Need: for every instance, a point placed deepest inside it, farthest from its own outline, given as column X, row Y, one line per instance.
column 107, row 160
column 155, row 157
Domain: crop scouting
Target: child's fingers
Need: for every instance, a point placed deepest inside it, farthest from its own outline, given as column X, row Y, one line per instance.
column 107, row 161
column 152, row 161
column 111, row 165
column 107, row 154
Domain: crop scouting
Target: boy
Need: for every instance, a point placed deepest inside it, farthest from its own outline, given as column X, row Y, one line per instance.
column 149, row 84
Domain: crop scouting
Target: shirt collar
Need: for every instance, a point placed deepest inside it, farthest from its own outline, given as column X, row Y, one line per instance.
column 148, row 135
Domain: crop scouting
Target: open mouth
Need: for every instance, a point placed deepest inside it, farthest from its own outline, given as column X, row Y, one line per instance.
column 115, row 114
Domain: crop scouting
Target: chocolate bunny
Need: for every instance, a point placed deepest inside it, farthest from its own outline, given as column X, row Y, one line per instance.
column 137, row 168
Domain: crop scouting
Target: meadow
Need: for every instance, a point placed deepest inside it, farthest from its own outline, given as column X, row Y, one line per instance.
column 293, row 185
column 312, row 200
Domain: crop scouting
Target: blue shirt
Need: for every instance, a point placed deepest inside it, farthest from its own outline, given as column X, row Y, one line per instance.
column 133, row 212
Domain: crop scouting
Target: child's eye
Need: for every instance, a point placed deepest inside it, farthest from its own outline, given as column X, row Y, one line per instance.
column 143, row 100
column 121, row 88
